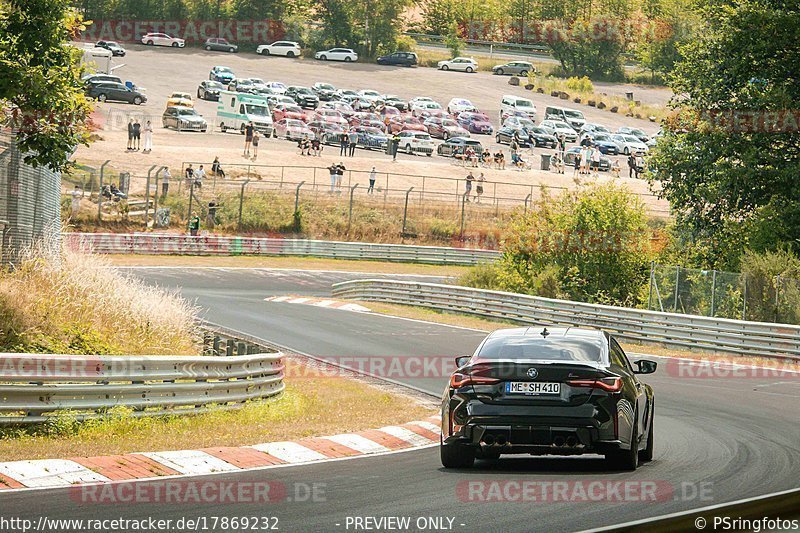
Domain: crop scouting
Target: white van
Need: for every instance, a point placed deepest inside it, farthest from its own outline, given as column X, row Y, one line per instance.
column 235, row 110
column 573, row 117
column 515, row 106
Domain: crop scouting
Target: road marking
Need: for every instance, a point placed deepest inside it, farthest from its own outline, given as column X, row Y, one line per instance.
column 358, row 443
column 191, row 461
column 407, row 435
column 291, row 452
column 49, row 473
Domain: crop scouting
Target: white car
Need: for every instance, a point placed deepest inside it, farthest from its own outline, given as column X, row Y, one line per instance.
column 418, row 99
column 559, row 128
column 462, row 64
column 458, row 105
column 162, row 39
column 415, row 142
column 369, row 94
column 628, row 144
column 276, row 87
column 592, row 127
column 337, row 54
column 518, row 123
column 280, row 48
column 420, row 109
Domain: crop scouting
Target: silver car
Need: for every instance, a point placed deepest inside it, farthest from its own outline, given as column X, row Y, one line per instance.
column 515, row 68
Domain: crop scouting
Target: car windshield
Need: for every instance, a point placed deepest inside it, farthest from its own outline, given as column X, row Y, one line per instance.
column 524, row 103
column 326, row 86
column 527, row 124
column 292, row 109
column 187, row 112
column 223, row 69
column 600, row 137
column 215, row 85
column 630, row 138
column 637, row 132
column 294, row 123
column 255, row 109
column 180, row 95
column 538, row 349
column 422, row 136
column 561, row 126
column 372, row 131
column 538, row 130
column 450, row 123
column 573, row 114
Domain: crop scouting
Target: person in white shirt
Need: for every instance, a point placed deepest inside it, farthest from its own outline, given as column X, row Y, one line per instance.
column 373, row 175
column 148, row 138
column 165, row 182
column 596, row 160
column 76, row 194
column 199, row 175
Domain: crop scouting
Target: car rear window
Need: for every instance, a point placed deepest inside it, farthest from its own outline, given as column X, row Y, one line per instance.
column 539, row 349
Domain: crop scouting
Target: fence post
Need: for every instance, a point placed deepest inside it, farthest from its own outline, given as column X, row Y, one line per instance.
column 100, row 192
column 350, row 214
column 527, row 198
column 155, row 198
column 147, row 196
column 191, row 197
column 744, row 299
column 713, row 291
column 463, row 212
column 677, row 283
column 650, row 289
column 405, row 213
column 296, row 215
column 241, row 204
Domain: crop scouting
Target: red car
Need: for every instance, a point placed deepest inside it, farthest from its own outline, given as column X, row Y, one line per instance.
column 359, row 118
column 330, row 115
column 398, row 124
column 388, row 113
column 445, row 128
column 374, row 124
column 293, row 129
column 282, row 111
column 345, row 109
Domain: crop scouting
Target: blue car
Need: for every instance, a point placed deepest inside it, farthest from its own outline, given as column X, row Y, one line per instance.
column 372, row 138
column 602, row 141
column 221, row 74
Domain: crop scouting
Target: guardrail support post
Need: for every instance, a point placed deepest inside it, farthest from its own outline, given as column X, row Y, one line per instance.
column 216, row 345
column 147, row 196
column 229, row 347
column 405, row 214
column 650, row 288
column 241, row 204
column 777, row 296
column 350, row 214
column 100, row 191
column 241, row 348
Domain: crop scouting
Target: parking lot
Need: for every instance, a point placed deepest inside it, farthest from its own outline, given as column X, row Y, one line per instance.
column 163, row 70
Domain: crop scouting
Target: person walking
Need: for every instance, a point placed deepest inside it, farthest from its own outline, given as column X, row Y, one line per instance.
column 632, row 173
column 216, row 168
column 479, row 187
column 148, row 138
column 130, row 134
column 248, row 138
column 395, row 146
column 211, row 216
column 165, row 183
column 343, row 139
column 340, row 168
column 352, row 139
column 373, row 175
column 256, row 137
column 194, row 225
column 316, row 147
column 137, row 134
column 332, row 170
column 468, row 186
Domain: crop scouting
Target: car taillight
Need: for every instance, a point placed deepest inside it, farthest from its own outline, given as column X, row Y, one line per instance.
column 458, row 380
column 607, row 384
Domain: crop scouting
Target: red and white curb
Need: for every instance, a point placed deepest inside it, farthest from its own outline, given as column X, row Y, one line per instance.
column 44, row 473
column 318, row 302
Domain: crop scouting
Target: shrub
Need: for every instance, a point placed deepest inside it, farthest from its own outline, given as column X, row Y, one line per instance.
column 581, row 85
column 404, row 43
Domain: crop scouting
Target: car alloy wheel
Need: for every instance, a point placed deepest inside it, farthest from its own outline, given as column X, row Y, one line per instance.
column 149, row 43
column 348, row 59
column 470, row 70
column 323, row 57
column 289, row 54
column 499, row 72
column 174, row 45
column 445, row 67
column 626, row 151
column 265, row 52
column 523, row 73
column 208, row 48
column 101, row 97
column 231, row 50
column 137, row 100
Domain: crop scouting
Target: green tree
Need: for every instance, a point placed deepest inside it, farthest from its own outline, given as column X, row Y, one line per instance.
column 41, row 93
column 453, row 41
column 730, row 156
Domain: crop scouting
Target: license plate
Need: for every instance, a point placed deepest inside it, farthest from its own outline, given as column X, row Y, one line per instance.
column 533, row 388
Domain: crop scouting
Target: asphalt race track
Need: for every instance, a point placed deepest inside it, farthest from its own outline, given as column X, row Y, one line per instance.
column 727, row 437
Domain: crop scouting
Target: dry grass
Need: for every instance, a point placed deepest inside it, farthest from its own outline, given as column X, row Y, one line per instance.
column 83, row 307
column 304, row 263
column 310, row 407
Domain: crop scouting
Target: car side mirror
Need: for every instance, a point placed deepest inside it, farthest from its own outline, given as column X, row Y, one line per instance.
column 462, row 360
column 645, row 366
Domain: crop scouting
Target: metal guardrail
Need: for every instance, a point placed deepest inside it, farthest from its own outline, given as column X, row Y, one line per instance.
column 175, row 244
column 736, row 337
column 35, row 388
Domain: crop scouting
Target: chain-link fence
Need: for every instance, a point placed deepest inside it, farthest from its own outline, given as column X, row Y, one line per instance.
column 724, row 294
column 29, row 204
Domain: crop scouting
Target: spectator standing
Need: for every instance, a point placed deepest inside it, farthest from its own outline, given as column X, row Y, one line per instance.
column 468, row 186
column 340, row 168
column 137, row 134
column 76, row 194
column 211, row 216
column 595, row 160
column 632, row 173
column 165, row 183
column 256, row 137
column 194, row 225
column 130, row 134
column 333, row 171
column 562, row 145
column 189, row 175
column 199, row 176
column 343, row 139
column 216, row 168
column 373, row 175
column 248, row 138
column 615, row 168
column 148, row 138
column 479, row 187
column 395, row 146
column 578, row 167
column 352, row 139
column 316, row 147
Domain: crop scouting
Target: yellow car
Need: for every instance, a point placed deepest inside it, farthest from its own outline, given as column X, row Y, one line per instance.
column 180, row 100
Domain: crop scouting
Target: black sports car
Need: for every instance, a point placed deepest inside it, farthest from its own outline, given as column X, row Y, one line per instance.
column 541, row 391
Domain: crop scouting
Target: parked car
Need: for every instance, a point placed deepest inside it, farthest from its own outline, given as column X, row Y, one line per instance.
column 331, row 115
column 180, row 99
column 276, row 87
column 636, row 132
column 541, row 137
column 459, row 105
column 326, row 132
column 358, row 118
column 559, row 128
column 573, row 117
column 415, row 142
column 518, row 123
column 209, row 90
column 402, row 59
column 111, row 46
column 364, row 103
column 515, row 68
column 94, row 79
column 221, row 45
column 325, row 91
column 425, row 109
column 475, row 123
column 458, row 145
column 461, row 64
column 654, row 139
column 593, row 126
column 387, row 113
column 274, row 100
column 370, row 94
column 444, row 128
column 395, row 101
column 629, row 144
column 115, row 92
column 571, row 154
column 344, row 108
column 260, row 86
column 337, row 54
column 162, row 39
column 603, row 142
column 288, row 111
column 280, row 48
column 183, row 119
column 371, row 138
column 243, row 85
column 221, row 74
column 304, row 96
column 407, row 123
column 343, row 94
column 528, row 136
column 575, row 389
column 511, row 106
column 293, row 129
column 373, row 124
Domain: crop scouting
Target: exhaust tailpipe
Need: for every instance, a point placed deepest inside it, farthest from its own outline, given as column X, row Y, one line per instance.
column 501, row 440
column 488, row 439
column 572, row 441
column 558, row 441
